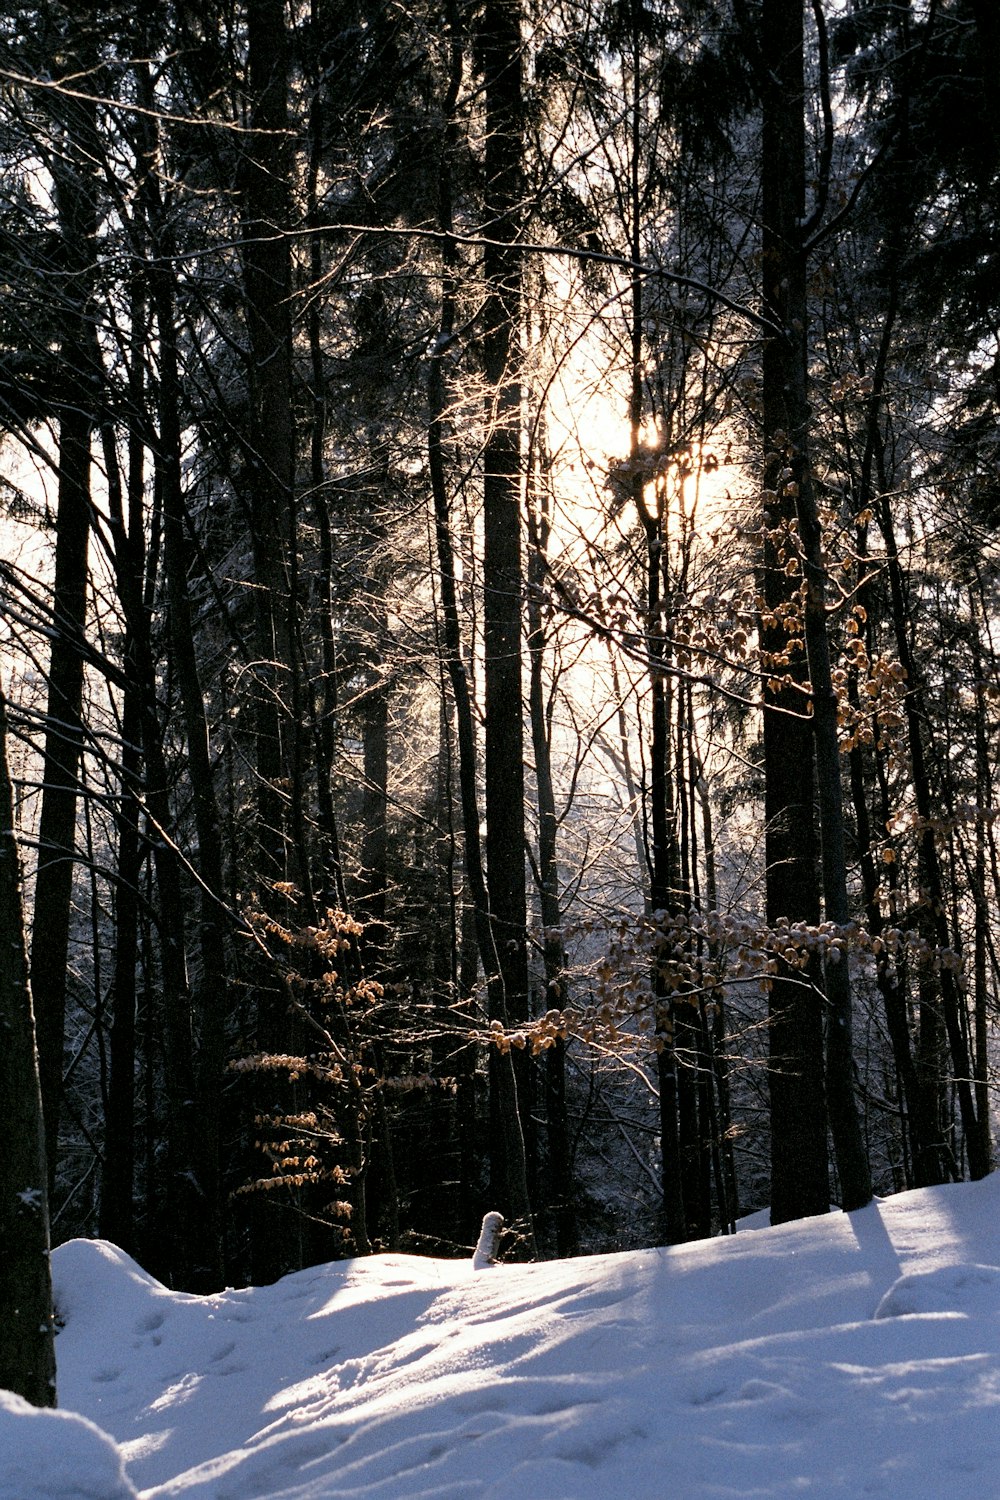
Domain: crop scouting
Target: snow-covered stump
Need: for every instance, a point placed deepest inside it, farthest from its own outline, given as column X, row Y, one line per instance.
column 485, row 1253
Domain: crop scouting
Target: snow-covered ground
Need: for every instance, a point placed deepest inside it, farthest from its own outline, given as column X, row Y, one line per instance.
column 851, row 1355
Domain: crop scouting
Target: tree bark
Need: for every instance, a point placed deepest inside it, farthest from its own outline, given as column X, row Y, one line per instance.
column 799, row 1181
column 211, row 992
column 179, row 1254
column 265, row 179
column 976, row 1128
column 117, row 1216
column 27, row 1333
column 76, row 204
column 325, row 706
column 560, row 1164
column 791, row 496
column 501, row 46
column 508, row 1157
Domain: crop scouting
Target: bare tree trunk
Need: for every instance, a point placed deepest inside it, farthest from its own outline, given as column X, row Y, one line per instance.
column 845, row 1122
column 324, row 706
column 923, row 1148
column 791, row 498
column 799, row 1182
column 117, row 1217
column 374, row 879
column 560, row 1164
column 75, row 194
column 502, row 47
column 265, row 178
column 661, row 844
column 180, row 1257
column 976, row 1127
column 507, row 1144
column 27, row 1333
column 211, row 992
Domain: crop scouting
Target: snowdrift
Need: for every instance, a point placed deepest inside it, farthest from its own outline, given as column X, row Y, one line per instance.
column 855, row 1354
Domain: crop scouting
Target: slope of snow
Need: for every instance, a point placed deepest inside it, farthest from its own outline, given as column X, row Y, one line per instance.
column 844, row 1356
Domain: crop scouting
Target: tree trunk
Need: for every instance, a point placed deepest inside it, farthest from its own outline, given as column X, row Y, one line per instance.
column 183, row 1206
column 502, row 46
column 791, row 494
column 76, row 203
column 560, row 1165
column 27, row 1333
column 265, row 179
column 324, row 707
column 924, row 1146
column 976, row 1129
column 845, row 1122
column 507, row 1137
column 799, row 1182
column 374, row 878
column 117, row 1218
column 211, row 992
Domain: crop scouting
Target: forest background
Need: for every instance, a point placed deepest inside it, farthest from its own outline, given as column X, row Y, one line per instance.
column 498, row 588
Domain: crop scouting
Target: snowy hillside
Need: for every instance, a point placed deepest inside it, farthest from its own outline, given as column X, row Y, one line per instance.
column 844, row 1356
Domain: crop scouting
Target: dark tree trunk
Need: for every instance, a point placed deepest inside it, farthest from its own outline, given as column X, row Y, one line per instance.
column 374, row 879
column 61, row 767
column 922, row 1151
column 799, row 1179
column 117, row 1216
column 27, row 1333
column 180, row 1259
column 324, row 707
column 508, row 1147
column 76, row 203
column 922, row 1148
column 981, row 988
column 952, row 1003
column 661, row 846
column 791, row 498
column 211, row 993
column 264, row 181
column 501, row 45
column 265, row 185
column 845, row 1123
column 560, row 1188
column 675, row 1094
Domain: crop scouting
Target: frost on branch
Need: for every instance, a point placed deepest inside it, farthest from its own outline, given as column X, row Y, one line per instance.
column 656, row 969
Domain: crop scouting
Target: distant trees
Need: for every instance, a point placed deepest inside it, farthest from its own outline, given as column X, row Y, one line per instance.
column 500, row 678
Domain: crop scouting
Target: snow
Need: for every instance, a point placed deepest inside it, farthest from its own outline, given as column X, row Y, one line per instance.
column 850, row 1355
column 486, row 1246
column 56, row 1456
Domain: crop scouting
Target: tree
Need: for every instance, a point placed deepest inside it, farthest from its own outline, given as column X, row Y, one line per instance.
column 27, row 1332
column 798, row 748
column 265, row 186
column 502, row 49
column 70, row 156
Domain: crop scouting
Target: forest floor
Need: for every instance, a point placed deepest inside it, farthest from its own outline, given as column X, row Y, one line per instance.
column 855, row 1354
